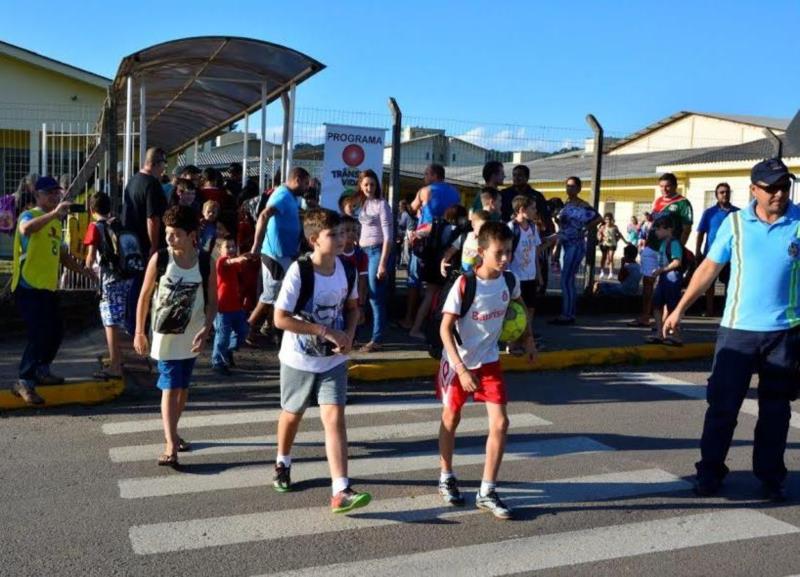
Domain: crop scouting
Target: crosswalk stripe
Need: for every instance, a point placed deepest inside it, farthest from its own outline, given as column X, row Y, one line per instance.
column 205, row 447
column 201, row 533
column 240, row 477
column 260, row 416
column 567, row 549
column 685, row 388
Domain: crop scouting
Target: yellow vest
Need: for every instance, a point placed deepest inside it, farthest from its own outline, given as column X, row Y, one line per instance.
column 36, row 257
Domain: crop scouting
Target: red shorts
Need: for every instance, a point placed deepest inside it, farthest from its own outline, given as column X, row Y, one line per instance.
column 491, row 388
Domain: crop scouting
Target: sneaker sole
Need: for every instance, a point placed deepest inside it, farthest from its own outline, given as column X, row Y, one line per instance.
column 361, row 500
column 453, row 502
column 505, row 517
column 282, row 489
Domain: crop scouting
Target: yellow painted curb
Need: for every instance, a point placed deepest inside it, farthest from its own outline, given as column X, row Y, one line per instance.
column 549, row 361
column 81, row 393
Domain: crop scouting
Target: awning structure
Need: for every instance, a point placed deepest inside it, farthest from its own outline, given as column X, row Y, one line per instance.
column 195, row 87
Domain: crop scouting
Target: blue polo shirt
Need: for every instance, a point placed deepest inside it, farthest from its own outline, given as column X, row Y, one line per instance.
column 765, row 270
column 710, row 222
column 282, row 239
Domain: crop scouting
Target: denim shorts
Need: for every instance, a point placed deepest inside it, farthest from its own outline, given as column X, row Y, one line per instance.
column 272, row 272
column 299, row 387
column 175, row 374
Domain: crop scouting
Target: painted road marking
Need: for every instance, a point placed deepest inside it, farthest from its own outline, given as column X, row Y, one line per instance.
column 258, row 476
column 205, row 447
column 201, row 533
column 566, row 549
column 685, row 388
column 260, row 416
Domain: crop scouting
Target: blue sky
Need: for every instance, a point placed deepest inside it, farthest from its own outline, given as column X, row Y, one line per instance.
column 522, row 63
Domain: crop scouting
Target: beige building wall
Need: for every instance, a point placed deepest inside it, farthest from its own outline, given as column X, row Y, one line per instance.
column 693, row 131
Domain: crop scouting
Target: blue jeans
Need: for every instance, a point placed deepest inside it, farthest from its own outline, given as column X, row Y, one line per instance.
column 230, row 329
column 377, row 291
column 39, row 310
column 775, row 357
column 571, row 258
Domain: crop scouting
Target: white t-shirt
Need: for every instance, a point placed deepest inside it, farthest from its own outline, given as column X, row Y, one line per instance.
column 325, row 307
column 177, row 312
column 523, row 263
column 481, row 327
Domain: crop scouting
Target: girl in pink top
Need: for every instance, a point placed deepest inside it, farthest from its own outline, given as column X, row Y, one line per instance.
column 375, row 218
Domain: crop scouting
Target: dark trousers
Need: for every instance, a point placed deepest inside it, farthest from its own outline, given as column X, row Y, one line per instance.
column 774, row 356
column 40, row 311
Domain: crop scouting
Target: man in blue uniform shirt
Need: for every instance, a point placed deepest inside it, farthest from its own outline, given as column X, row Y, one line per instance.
column 760, row 330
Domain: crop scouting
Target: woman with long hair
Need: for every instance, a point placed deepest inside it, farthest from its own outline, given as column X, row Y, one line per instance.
column 574, row 219
column 376, row 240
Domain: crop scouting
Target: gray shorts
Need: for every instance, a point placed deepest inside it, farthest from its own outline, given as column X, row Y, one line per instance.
column 298, row 387
column 272, row 273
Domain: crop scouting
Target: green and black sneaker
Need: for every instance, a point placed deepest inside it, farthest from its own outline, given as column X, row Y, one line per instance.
column 282, row 481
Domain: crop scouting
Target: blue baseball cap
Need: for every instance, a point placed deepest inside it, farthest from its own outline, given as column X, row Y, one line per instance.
column 47, row 183
column 769, row 172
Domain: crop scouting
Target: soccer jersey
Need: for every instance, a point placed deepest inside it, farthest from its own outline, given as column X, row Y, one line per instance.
column 765, row 270
column 480, row 328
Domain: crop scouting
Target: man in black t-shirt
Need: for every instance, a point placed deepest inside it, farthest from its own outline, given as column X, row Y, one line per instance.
column 144, row 203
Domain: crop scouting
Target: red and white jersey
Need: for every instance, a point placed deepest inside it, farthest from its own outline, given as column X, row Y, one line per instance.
column 480, row 328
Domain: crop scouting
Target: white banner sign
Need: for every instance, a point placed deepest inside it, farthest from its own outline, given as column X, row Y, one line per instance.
column 348, row 151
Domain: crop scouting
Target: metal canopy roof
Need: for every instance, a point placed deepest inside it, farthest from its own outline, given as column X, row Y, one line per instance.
column 197, row 86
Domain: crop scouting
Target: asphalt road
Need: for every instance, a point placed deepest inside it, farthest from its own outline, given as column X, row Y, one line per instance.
column 597, row 468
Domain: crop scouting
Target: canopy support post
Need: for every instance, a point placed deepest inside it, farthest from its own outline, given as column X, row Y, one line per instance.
column 244, row 148
column 126, row 175
column 142, row 122
column 262, row 148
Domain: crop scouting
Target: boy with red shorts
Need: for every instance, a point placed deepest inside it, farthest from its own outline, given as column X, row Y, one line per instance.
column 471, row 364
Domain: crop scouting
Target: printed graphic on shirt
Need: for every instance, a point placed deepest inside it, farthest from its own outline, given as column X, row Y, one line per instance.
column 174, row 306
column 324, row 309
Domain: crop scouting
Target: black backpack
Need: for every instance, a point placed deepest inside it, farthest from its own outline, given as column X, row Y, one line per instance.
column 307, row 280
column 469, row 285
column 120, row 250
column 203, row 261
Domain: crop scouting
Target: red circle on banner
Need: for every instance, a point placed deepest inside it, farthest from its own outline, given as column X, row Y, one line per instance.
column 353, row 155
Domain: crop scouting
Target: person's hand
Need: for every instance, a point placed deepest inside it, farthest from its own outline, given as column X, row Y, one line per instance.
column 141, row 344
column 200, row 339
column 530, row 349
column 62, row 209
column 340, row 339
column 443, row 266
column 672, row 324
column 381, row 271
column 468, row 381
column 657, row 271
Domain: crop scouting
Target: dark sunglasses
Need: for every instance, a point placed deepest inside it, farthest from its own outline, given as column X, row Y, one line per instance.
column 782, row 186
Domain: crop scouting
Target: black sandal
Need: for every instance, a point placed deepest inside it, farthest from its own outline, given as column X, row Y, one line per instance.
column 184, row 446
column 166, row 460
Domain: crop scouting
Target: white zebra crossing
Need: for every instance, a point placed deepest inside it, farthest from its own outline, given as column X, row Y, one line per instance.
column 208, row 446
column 260, row 416
column 242, row 477
column 201, row 533
column 684, row 388
column 567, row 549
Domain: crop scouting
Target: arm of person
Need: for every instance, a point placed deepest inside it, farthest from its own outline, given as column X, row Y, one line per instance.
column 261, row 228
column 352, row 312
column 698, row 246
column 211, row 310
column 386, row 230
column 91, row 255
column 702, row 278
column 31, row 226
column 421, row 198
column 446, row 331
column 140, row 341
column 527, row 336
column 70, row 262
column 153, row 233
column 445, row 263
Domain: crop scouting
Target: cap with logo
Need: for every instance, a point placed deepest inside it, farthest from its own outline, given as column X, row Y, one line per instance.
column 769, row 172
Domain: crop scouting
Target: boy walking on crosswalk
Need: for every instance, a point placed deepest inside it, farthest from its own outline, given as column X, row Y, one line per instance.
column 317, row 308
column 473, row 316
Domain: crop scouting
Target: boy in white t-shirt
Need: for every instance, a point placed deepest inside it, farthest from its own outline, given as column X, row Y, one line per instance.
column 319, row 323
column 524, row 262
column 471, row 365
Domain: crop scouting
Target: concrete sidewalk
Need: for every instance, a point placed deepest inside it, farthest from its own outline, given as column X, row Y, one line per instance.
column 592, row 341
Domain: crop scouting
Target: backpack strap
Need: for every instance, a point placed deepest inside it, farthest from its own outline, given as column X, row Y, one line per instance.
column 468, row 285
column 516, row 230
column 511, row 282
column 306, row 283
column 350, row 274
